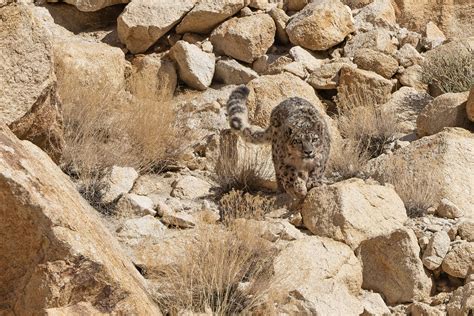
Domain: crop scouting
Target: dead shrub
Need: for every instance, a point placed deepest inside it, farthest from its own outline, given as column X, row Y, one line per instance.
column 372, row 128
column 226, row 272
column 143, row 134
column 238, row 204
column 347, row 160
column 449, row 72
column 242, row 167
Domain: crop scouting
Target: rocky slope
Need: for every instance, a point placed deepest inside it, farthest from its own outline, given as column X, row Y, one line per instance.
column 391, row 232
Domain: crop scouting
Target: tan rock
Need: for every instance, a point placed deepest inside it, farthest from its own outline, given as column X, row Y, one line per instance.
column 391, row 266
column 82, row 66
column 152, row 78
column 377, row 13
column 322, row 272
column 206, row 15
column 412, row 77
column 229, row 71
column 378, row 39
column 116, row 182
column 408, row 56
column 134, row 230
column 321, row 25
column 444, row 158
column 448, row 209
column 327, row 76
column 133, row 205
column 273, row 230
column 353, row 80
column 28, row 100
column 190, row 187
column 459, row 260
column 447, row 110
column 453, row 18
column 436, row 250
column 195, row 67
column 296, row 5
column 245, row 38
column 470, row 105
column 433, row 36
column 421, row 309
column 362, row 210
column 407, row 103
column 466, row 230
column 309, row 61
column 462, row 301
column 55, row 248
column 373, row 304
column 377, row 62
column 89, row 6
column 281, row 20
column 143, row 22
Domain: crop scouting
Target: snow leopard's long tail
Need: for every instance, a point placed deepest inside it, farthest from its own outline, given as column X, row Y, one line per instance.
column 238, row 118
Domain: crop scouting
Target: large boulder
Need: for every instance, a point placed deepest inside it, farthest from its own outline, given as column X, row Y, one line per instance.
column 352, row 211
column 321, row 25
column 95, row 5
column 406, row 103
column 245, row 38
column 56, row 251
column 377, row 62
column 82, row 66
column 206, row 15
column 152, row 78
column 470, row 105
column 321, row 272
column 352, row 81
column 195, row 67
column 378, row 39
column 392, row 266
column 143, row 22
column 454, row 17
column 378, row 13
column 445, row 158
column 459, row 261
column 28, row 98
column 447, row 110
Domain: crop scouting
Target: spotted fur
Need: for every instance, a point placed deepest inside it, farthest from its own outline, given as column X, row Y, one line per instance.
column 299, row 136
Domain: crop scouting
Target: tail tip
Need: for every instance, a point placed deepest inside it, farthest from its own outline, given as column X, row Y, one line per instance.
column 242, row 89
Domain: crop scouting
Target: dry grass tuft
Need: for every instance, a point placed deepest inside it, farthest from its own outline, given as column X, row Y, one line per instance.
column 144, row 135
column 242, row 167
column 238, row 204
column 450, row 72
column 347, row 160
column 223, row 272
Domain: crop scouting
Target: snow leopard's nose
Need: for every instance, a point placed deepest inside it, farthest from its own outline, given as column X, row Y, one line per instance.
column 308, row 153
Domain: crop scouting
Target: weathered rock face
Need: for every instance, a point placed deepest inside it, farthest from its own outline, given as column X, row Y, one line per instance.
column 406, row 103
column 244, row 38
column 116, row 182
column 229, row 71
column 28, row 99
column 321, row 25
column 459, row 260
column 412, row 77
column 281, row 20
column 94, row 5
column 56, row 251
column 152, row 78
column 391, row 266
column 436, row 250
column 143, row 22
column 195, row 67
column 378, row 39
column 322, row 272
column 352, row 80
column 352, row 211
column 447, row 110
column 206, row 15
column 453, row 18
column 377, row 13
column 462, row 301
column 327, row 76
column 377, row 62
column 470, row 105
column 445, row 157
column 82, row 67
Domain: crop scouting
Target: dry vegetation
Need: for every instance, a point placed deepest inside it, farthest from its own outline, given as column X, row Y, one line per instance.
column 226, row 272
column 238, row 204
column 141, row 134
column 450, row 72
column 242, row 167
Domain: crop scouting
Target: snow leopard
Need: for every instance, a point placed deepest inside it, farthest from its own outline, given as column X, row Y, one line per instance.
column 299, row 137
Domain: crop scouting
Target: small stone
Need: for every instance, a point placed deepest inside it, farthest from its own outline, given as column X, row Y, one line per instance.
column 373, row 305
column 190, row 187
column 448, row 209
column 436, row 250
column 179, row 220
column 132, row 231
column 422, row 309
column 459, row 260
column 433, row 36
column 229, row 71
column 135, row 205
column 303, row 56
column 466, row 230
column 377, row 62
column 116, row 182
column 408, row 56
